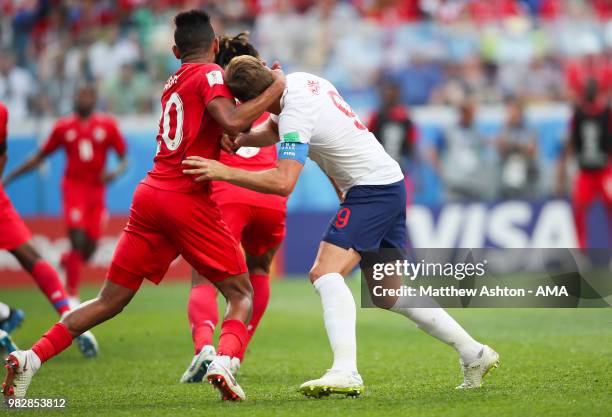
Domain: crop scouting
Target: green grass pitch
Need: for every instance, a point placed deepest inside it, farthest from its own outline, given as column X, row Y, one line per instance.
column 553, row 362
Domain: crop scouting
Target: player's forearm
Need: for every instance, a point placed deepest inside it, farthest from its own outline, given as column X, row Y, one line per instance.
column 257, row 138
column 245, row 114
column 27, row 166
column 267, row 182
column 3, row 159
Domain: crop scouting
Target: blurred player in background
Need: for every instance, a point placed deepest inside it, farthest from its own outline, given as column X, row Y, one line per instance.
column 15, row 238
column 86, row 137
column 173, row 215
column 257, row 221
column 590, row 142
column 312, row 120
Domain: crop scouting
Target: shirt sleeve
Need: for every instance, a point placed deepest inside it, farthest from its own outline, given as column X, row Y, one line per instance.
column 117, row 141
column 213, row 85
column 297, row 120
column 54, row 141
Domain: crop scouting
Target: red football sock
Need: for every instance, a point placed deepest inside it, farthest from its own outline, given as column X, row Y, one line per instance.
column 55, row 341
column 261, row 297
column 73, row 263
column 203, row 315
column 49, row 283
column 233, row 338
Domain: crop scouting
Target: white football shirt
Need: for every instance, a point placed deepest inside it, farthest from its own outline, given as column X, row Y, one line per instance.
column 313, row 112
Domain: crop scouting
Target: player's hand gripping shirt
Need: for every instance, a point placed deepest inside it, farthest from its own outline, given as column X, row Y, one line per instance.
column 316, row 122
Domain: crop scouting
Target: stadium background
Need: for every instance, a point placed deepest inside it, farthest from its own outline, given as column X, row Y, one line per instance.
column 440, row 56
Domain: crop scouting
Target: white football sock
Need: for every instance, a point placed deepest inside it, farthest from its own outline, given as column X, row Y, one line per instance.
column 5, row 311
column 438, row 323
column 339, row 314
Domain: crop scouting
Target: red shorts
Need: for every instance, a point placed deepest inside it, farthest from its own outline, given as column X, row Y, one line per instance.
column 84, row 208
column 13, row 231
column 258, row 229
column 165, row 224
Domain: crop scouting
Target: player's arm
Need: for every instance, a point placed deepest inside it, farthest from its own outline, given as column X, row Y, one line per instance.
column 280, row 180
column 235, row 120
column 119, row 145
column 266, row 134
column 33, row 162
column 112, row 175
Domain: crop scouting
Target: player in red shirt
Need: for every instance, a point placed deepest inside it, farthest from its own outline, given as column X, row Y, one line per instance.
column 590, row 142
column 86, row 137
column 256, row 220
column 172, row 214
column 15, row 238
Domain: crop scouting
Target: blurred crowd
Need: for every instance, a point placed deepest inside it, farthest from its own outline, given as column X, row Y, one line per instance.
column 438, row 51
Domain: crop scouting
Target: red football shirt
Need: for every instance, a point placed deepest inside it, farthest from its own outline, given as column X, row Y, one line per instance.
column 251, row 159
column 185, row 127
column 86, row 143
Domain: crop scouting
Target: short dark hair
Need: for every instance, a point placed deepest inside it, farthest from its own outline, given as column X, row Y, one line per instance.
column 229, row 48
column 193, row 31
column 247, row 77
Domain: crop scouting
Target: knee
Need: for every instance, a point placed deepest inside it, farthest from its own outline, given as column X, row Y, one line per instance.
column 112, row 306
column 315, row 273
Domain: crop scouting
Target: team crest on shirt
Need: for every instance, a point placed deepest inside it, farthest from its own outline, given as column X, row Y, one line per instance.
column 214, row 77
column 99, row 134
column 314, row 87
column 247, row 151
column 71, row 135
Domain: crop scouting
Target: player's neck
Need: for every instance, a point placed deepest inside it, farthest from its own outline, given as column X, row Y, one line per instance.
column 198, row 59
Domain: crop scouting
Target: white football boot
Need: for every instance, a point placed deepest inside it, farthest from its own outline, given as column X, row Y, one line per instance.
column 334, row 382
column 474, row 372
column 199, row 365
column 234, row 366
column 222, row 379
column 88, row 345
column 21, row 365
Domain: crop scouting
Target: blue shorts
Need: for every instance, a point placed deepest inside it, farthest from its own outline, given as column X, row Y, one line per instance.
column 371, row 217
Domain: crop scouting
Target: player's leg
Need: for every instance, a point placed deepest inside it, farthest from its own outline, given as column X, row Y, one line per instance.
column 203, row 315
column 583, row 194
column 44, row 275
column 22, row 365
column 203, row 238
column 238, row 294
column 476, row 358
column 261, row 239
column 82, row 248
column 202, row 310
column 332, row 264
column 606, row 194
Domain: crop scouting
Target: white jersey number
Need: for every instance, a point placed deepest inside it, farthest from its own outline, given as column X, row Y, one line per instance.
column 85, row 150
column 344, row 107
column 172, row 143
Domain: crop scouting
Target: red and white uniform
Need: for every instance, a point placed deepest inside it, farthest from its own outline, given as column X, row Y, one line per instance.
column 171, row 214
column 13, row 231
column 86, row 143
column 591, row 136
column 256, row 220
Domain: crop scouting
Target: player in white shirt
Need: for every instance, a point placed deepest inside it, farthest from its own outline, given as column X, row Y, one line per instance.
column 312, row 120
